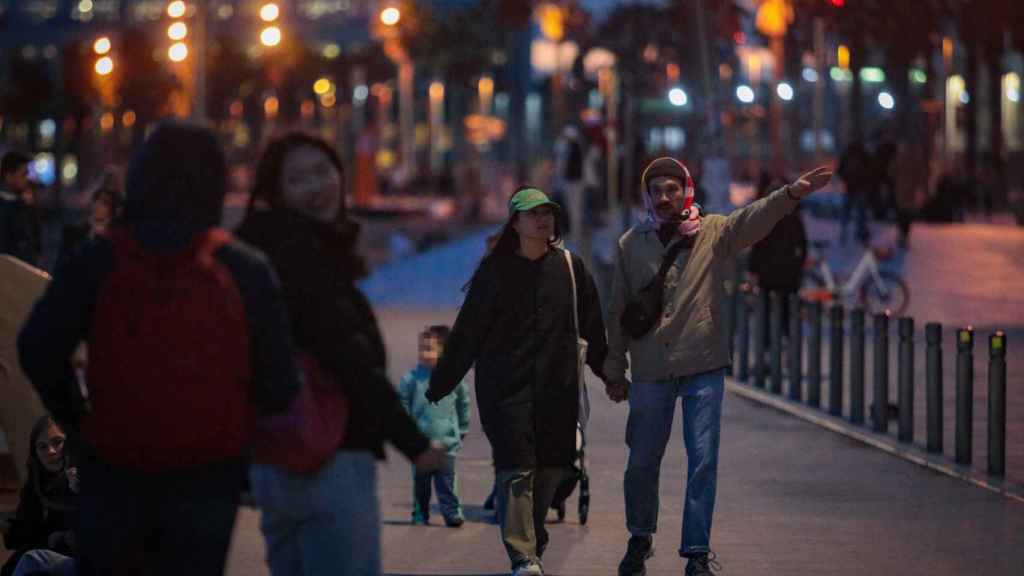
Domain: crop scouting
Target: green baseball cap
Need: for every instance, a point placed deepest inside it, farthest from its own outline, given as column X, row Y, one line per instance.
column 528, row 199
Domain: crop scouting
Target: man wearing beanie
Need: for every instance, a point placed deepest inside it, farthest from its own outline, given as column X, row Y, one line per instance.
column 685, row 353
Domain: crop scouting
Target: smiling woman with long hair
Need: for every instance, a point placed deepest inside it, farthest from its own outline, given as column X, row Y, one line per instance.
column 518, row 327
column 42, row 525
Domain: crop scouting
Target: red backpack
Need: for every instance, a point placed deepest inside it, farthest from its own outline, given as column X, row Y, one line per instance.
column 169, row 364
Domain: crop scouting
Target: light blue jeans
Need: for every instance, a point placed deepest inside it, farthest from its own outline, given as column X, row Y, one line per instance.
column 325, row 523
column 652, row 408
column 45, row 561
column 447, row 487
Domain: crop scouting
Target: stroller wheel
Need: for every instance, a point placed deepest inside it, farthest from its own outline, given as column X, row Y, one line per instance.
column 561, row 511
column 584, row 506
column 584, row 510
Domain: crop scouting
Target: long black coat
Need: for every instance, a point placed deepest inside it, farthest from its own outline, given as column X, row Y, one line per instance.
column 516, row 326
column 332, row 320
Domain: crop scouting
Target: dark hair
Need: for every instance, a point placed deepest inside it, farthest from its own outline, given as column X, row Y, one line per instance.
column 506, row 241
column 267, row 187
column 109, row 191
column 178, row 175
column 12, row 162
column 439, row 331
column 51, row 488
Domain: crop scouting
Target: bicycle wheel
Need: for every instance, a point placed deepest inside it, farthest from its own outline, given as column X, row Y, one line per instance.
column 891, row 294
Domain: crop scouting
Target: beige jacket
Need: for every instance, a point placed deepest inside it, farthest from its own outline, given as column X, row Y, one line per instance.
column 692, row 336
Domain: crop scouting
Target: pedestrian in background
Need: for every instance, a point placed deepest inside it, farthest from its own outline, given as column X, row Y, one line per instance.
column 683, row 354
column 446, row 422
column 518, row 327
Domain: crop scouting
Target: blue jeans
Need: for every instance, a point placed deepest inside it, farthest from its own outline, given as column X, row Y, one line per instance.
column 45, row 561
column 446, row 485
column 651, row 411
column 325, row 523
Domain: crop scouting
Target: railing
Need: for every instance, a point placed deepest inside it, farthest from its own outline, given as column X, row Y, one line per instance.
column 804, row 379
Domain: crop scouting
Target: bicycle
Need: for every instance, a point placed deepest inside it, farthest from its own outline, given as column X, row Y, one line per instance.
column 868, row 285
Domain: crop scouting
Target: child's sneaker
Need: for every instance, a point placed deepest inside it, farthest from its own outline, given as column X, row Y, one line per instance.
column 529, row 568
column 454, row 522
column 420, row 520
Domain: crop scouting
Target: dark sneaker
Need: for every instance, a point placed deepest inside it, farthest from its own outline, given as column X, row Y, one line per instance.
column 489, row 502
column 640, row 548
column 454, row 522
column 420, row 520
column 702, row 565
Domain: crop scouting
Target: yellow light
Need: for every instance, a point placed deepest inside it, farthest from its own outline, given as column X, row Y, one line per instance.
column 270, row 106
column 176, row 9
column 436, row 91
column 104, row 66
column 485, row 86
column 270, row 36
column 269, row 12
column 177, row 52
column 85, row 6
column 322, row 86
column 101, row 45
column 843, row 57
column 107, row 121
column 551, row 21
column 331, row 51
column 328, row 100
column 128, row 118
column 390, row 16
column 177, row 31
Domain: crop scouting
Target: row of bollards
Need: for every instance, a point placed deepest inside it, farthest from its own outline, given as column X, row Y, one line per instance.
column 778, row 337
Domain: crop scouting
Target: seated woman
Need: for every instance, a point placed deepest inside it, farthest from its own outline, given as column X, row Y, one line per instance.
column 41, row 532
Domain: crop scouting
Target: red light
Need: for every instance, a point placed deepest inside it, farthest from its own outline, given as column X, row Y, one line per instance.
column 838, row 3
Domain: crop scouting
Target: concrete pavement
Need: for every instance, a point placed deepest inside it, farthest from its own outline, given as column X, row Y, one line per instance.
column 793, row 499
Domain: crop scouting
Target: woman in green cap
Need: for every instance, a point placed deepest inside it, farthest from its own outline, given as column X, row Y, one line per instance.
column 518, row 326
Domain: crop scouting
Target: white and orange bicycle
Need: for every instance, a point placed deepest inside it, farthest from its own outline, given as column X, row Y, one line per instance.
column 870, row 286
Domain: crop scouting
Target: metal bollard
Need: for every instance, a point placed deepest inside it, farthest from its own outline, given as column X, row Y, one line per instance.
column 775, row 348
column 796, row 344
column 857, row 366
column 814, row 357
column 881, row 374
column 964, row 394
column 760, row 330
column 905, row 379
column 835, row 361
column 743, row 333
column 997, row 404
column 933, row 377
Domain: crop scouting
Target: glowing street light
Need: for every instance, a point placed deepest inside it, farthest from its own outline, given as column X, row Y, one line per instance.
column 104, row 66
column 745, row 93
column 322, row 86
column 177, row 31
column 270, row 36
column 785, row 91
column 269, row 12
column 176, row 9
column 885, row 100
column 677, row 96
column 177, row 52
column 390, row 16
column 102, row 45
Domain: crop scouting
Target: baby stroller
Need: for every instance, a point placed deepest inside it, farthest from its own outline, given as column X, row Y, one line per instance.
column 577, row 475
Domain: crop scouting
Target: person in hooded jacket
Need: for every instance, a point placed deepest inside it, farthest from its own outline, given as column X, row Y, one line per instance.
column 40, row 533
column 176, row 520
column 517, row 327
column 327, row 522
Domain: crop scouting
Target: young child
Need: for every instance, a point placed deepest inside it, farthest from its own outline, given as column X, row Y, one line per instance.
column 446, row 422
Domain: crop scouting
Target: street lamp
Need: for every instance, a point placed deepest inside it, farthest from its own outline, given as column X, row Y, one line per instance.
column 390, row 16
column 677, row 96
column 270, row 36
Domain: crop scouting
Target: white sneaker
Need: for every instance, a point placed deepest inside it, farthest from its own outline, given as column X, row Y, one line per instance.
column 528, row 569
